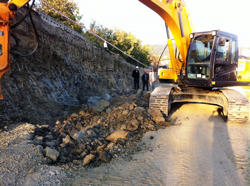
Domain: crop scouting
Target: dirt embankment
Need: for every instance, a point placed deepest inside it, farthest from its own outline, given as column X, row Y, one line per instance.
column 60, row 76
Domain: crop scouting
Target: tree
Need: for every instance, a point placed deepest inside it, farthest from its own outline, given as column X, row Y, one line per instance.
column 126, row 42
column 68, row 7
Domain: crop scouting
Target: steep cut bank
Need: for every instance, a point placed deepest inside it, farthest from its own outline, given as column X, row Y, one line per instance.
column 60, row 76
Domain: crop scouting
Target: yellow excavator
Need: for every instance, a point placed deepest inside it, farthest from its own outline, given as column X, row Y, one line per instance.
column 202, row 61
column 203, row 65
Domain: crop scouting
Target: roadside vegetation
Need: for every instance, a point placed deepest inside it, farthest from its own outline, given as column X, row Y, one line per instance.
column 126, row 42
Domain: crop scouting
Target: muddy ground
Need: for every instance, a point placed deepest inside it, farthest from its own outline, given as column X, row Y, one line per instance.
column 194, row 146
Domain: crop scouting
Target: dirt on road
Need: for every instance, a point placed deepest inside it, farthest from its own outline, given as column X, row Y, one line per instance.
column 198, row 149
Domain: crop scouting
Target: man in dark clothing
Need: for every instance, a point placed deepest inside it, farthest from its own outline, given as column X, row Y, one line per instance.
column 145, row 79
column 136, row 76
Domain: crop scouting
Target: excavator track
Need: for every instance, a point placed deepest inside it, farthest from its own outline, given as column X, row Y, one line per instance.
column 235, row 105
column 238, row 105
column 159, row 99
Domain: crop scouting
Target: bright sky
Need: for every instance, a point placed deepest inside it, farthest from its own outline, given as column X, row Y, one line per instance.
column 134, row 17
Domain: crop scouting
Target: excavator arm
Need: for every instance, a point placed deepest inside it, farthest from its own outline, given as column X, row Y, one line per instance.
column 176, row 16
column 7, row 13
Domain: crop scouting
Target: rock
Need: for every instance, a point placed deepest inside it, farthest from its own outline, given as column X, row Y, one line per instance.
column 83, row 154
column 110, row 146
column 165, row 124
column 140, row 135
column 48, row 137
column 81, row 135
column 66, row 167
column 118, row 134
column 125, row 112
column 139, row 91
column 133, row 125
column 131, row 107
column 151, row 127
column 123, row 127
column 120, row 141
column 82, row 113
column 51, row 144
column 52, row 153
column 133, row 96
column 38, row 140
column 91, row 133
column 74, row 115
column 143, row 103
column 106, row 96
column 73, row 133
column 108, row 110
column 155, row 113
column 125, row 105
column 100, row 147
column 80, row 148
column 88, row 159
column 66, row 139
column 111, row 130
column 139, row 110
column 158, row 120
column 101, row 105
column 79, row 126
column 105, row 156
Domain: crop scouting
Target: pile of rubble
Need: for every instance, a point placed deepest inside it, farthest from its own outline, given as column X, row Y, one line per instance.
column 100, row 132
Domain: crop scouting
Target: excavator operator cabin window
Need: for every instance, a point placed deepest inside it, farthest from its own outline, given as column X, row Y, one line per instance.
column 199, row 61
column 1, row 51
column 201, row 49
column 222, row 58
column 222, row 52
column 233, row 52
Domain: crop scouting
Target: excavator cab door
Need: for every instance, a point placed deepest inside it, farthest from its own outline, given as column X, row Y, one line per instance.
column 199, row 60
column 225, row 60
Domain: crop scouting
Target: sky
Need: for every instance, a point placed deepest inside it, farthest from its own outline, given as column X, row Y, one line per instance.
column 134, row 17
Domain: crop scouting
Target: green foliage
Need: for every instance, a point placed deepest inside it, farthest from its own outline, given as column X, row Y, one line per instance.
column 67, row 7
column 122, row 40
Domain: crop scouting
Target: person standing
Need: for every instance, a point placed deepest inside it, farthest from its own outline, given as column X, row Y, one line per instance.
column 152, row 79
column 105, row 45
column 136, row 76
column 145, row 79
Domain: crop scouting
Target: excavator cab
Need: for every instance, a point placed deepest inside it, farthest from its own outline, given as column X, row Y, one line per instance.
column 212, row 60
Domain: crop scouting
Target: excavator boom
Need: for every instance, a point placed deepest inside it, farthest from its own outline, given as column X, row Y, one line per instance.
column 176, row 16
